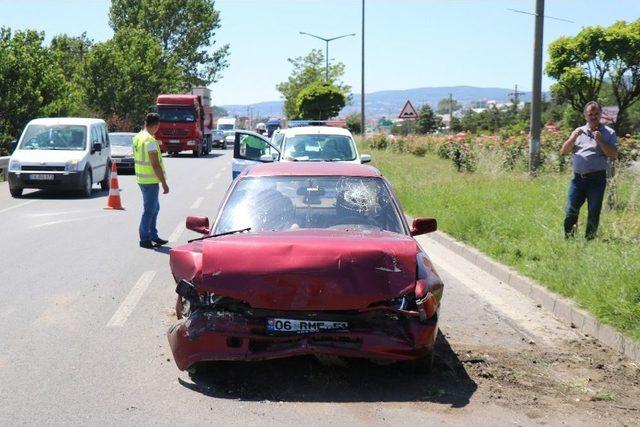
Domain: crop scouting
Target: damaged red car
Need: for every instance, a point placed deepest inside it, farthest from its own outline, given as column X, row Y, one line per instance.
column 305, row 258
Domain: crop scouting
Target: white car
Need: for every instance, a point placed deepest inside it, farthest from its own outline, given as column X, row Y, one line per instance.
column 298, row 144
column 61, row 154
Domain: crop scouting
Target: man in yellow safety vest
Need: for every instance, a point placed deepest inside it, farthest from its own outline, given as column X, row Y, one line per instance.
column 149, row 173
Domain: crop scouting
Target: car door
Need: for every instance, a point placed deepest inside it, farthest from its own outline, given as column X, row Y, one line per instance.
column 96, row 157
column 249, row 149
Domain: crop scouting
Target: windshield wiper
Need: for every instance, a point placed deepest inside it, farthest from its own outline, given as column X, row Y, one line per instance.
column 226, row 233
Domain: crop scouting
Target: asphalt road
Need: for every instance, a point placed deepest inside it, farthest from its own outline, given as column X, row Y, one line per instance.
column 84, row 314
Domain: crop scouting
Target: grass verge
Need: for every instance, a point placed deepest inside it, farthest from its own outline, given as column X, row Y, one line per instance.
column 518, row 221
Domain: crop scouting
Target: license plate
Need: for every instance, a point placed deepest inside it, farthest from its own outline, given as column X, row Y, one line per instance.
column 41, row 177
column 304, row 326
column 174, row 141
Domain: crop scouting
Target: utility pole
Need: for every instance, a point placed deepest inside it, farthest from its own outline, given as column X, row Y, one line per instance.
column 516, row 95
column 362, row 120
column 450, row 108
column 536, row 107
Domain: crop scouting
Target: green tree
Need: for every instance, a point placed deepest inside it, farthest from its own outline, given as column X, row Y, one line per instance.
column 445, row 106
column 582, row 64
column 32, row 83
column 455, row 125
column 124, row 75
column 185, row 31
column 354, row 123
column 427, row 120
column 320, row 101
column 308, row 70
column 70, row 54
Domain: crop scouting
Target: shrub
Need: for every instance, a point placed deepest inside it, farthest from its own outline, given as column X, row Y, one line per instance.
column 379, row 142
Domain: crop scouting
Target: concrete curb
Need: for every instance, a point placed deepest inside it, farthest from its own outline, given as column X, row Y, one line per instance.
column 563, row 308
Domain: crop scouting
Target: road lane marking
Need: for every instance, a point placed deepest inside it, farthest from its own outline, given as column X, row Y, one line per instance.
column 177, row 232
column 36, row 215
column 197, row 203
column 126, row 308
column 17, row 206
column 62, row 221
column 210, row 186
column 223, row 169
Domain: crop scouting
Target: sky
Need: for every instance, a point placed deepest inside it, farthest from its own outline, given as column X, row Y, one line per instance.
column 409, row 43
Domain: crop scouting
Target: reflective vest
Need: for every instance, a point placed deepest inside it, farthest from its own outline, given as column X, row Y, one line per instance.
column 143, row 167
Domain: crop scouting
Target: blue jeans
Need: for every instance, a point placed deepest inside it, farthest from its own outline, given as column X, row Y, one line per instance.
column 588, row 187
column 151, row 207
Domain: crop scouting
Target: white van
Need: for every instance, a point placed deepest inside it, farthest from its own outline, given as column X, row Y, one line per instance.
column 66, row 153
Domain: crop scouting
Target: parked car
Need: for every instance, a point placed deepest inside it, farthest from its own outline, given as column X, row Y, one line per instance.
column 61, row 154
column 297, row 144
column 122, row 150
column 305, row 258
column 218, row 139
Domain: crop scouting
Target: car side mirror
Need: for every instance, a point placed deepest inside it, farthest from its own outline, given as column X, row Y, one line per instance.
column 267, row 158
column 365, row 158
column 96, row 147
column 199, row 224
column 423, row 226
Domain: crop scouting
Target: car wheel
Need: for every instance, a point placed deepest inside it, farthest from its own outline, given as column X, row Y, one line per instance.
column 87, row 184
column 104, row 184
column 196, row 153
column 15, row 192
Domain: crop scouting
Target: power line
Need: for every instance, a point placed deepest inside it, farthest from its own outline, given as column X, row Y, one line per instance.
column 546, row 16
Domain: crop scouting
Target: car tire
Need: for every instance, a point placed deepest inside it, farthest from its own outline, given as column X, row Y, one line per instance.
column 104, row 184
column 87, row 184
column 196, row 153
column 15, row 192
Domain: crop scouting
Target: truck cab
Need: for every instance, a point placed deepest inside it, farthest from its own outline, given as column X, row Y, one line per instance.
column 183, row 119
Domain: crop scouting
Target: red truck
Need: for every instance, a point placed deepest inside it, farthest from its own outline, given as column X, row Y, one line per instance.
column 185, row 122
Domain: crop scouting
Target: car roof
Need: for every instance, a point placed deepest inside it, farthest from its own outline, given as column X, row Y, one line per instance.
column 315, row 130
column 122, row 133
column 66, row 121
column 310, row 169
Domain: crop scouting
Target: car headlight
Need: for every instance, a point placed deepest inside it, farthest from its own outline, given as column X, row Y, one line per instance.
column 71, row 166
column 14, row 166
column 191, row 143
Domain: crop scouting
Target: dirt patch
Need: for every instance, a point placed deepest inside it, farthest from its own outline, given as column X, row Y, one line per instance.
column 579, row 377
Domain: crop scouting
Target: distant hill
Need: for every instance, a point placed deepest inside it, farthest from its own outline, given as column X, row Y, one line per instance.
column 390, row 102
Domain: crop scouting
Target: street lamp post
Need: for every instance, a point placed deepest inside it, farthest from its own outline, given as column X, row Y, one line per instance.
column 326, row 71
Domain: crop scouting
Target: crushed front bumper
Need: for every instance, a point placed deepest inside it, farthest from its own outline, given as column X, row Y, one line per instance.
column 214, row 335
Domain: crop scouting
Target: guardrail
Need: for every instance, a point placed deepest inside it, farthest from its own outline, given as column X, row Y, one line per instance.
column 4, row 165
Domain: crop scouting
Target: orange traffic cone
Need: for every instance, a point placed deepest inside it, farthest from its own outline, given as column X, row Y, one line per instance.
column 114, row 191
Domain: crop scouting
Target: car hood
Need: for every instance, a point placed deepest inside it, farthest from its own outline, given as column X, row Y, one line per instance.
column 120, row 151
column 309, row 270
column 49, row 157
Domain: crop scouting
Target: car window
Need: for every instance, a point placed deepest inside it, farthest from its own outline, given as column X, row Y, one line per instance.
column 105, row 136
column 253, row 147
column 285, row 202
column 121, row 140
column 54, row 137
column 319, row 147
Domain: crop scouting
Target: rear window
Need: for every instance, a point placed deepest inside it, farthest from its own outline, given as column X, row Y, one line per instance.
column 54, row 137
column 319, row 148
